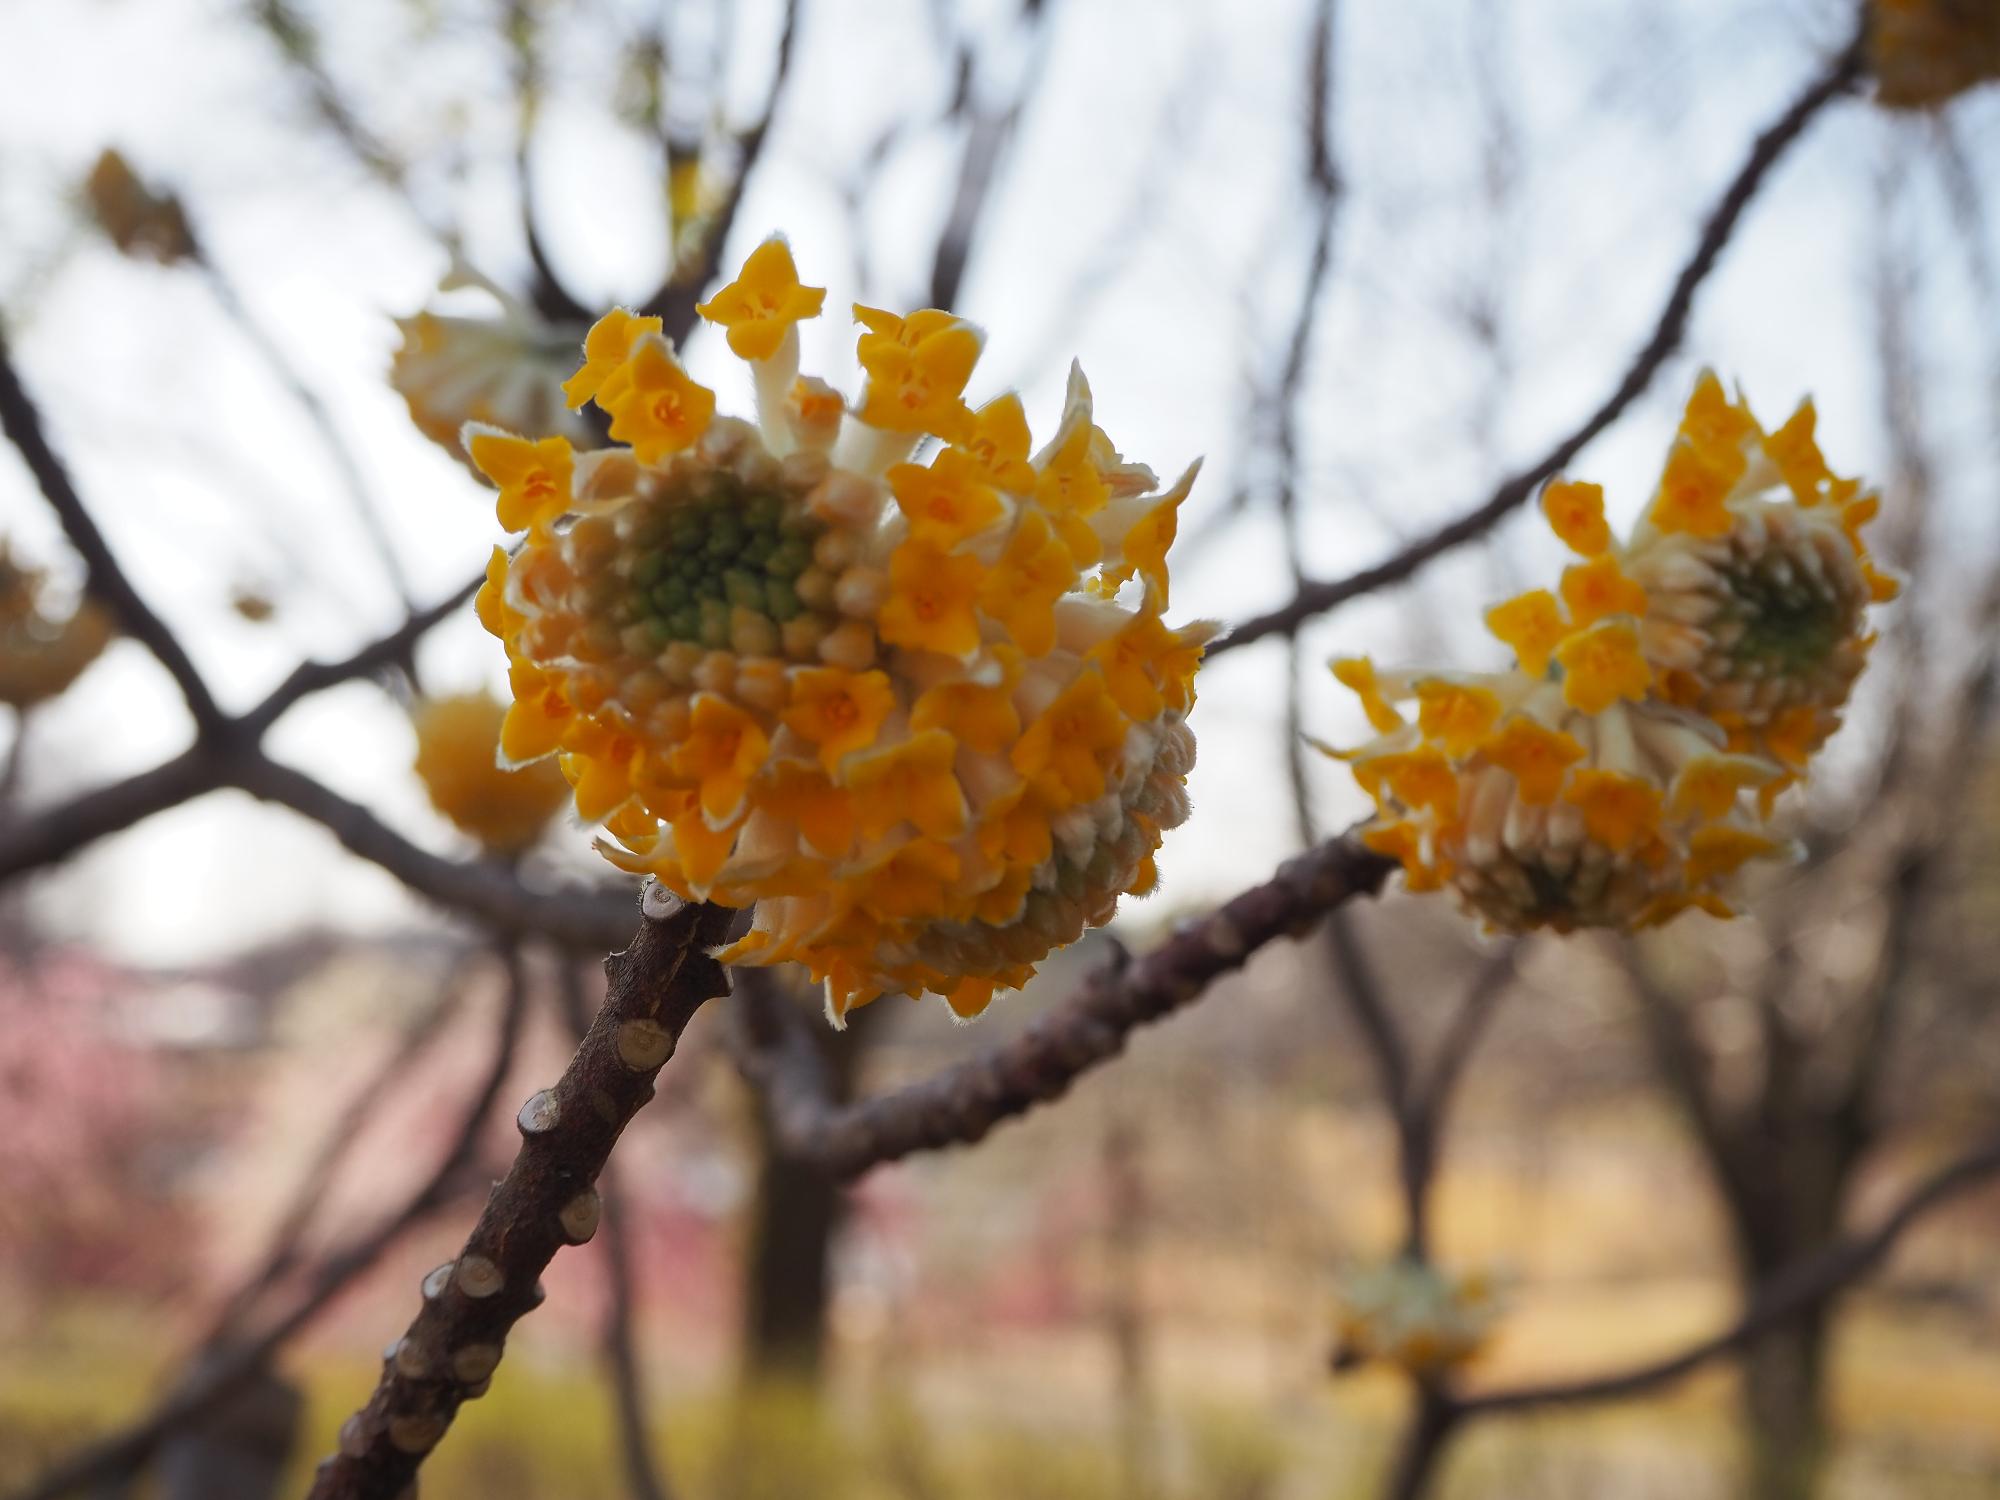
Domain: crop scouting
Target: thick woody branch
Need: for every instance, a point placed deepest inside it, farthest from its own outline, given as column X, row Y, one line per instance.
column 547, row 1200
column 22, row 423
column 962, row 1103
column 1316, row 597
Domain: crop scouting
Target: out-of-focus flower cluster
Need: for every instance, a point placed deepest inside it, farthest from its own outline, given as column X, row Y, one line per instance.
column 1414, row 1316
column 42, row 653
column 1625, row 769
column 504, row 369
column 142, row 223
column 458, row 741
column 927, row 716
column 1923, row 52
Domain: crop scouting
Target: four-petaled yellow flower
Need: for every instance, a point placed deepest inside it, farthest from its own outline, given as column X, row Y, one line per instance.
column 764, row 303
column 920, row 387
column 534, row 478
column 606, row 348
column 655, row 405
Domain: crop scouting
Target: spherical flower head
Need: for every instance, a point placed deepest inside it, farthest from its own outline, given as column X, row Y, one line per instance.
column 1414, row 1316
column 500, row 369
column 1538, row 813
column 927, row 717
column 1925, row 52
column 458, row 744
column 1756, row 617
column 43, row 652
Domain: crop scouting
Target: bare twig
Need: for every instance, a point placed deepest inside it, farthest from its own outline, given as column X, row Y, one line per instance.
column 1785, row 1296
column 548, row 1199
column 962, row 1103
column 216, row 1379
column 488, row 891
column 1317, row 597
column 22, row 423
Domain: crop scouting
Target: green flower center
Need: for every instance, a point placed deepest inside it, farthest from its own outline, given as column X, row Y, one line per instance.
column 1790, row 623
column 698, row 555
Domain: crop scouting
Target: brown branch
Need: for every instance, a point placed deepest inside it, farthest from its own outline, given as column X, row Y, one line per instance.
column 215, row 1379
column 1809, row 1282
column 1316, row 598
column 965, row 1101
column 548, row 1199
column 488, row 891
column 22, row 423
column 58, row 832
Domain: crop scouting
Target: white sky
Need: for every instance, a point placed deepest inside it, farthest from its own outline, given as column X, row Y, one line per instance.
column 1624, row 119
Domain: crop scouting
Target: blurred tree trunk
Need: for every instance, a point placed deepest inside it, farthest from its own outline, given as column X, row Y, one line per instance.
column 797, row 1213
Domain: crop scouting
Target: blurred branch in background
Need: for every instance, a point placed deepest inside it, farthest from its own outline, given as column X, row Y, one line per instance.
column 230, row 1359
column 1316, row 598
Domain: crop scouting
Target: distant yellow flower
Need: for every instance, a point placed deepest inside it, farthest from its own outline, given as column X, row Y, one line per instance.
column 1923, row 52
column 1622, row 772
column 764, row 303
column 499, row 369
column 42, row 653
column 882, row 701
column 1414, row 1316
column 458, row 740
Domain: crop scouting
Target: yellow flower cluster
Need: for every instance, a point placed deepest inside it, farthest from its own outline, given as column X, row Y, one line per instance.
column 1414, row 1316
column 1608, row 779
column 503, row 369
column 910, row 710
column 41, row 655
column 458, row 740
column 1922, row 52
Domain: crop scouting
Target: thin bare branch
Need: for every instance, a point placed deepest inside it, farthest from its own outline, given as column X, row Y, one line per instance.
column 548, row 1199
column 22, row 423
column 1784, row 1297
column 1316, row 598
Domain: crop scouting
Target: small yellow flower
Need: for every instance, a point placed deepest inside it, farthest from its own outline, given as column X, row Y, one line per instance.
column 999, row 442
column 913, row 781
column 1602, row 665
column 932, row 599
column 1536, row 756
column 946, row 502
column 764, row 302
column 1357, row 673
column 1533, row 625
column 1619, row 811
column 1021, row 592
column 839, row 712
column 1455, row 715
column 1576, row 514
column 1692, row 492
column 534, row 477
column 1598, row 589
column 606, row 348
column 1064, row 751
column 458, row 740
column 654, row 404
column 724, row 748
column 920, row 387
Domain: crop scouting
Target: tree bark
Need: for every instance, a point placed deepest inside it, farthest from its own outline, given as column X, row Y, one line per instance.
column 797, row 1215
